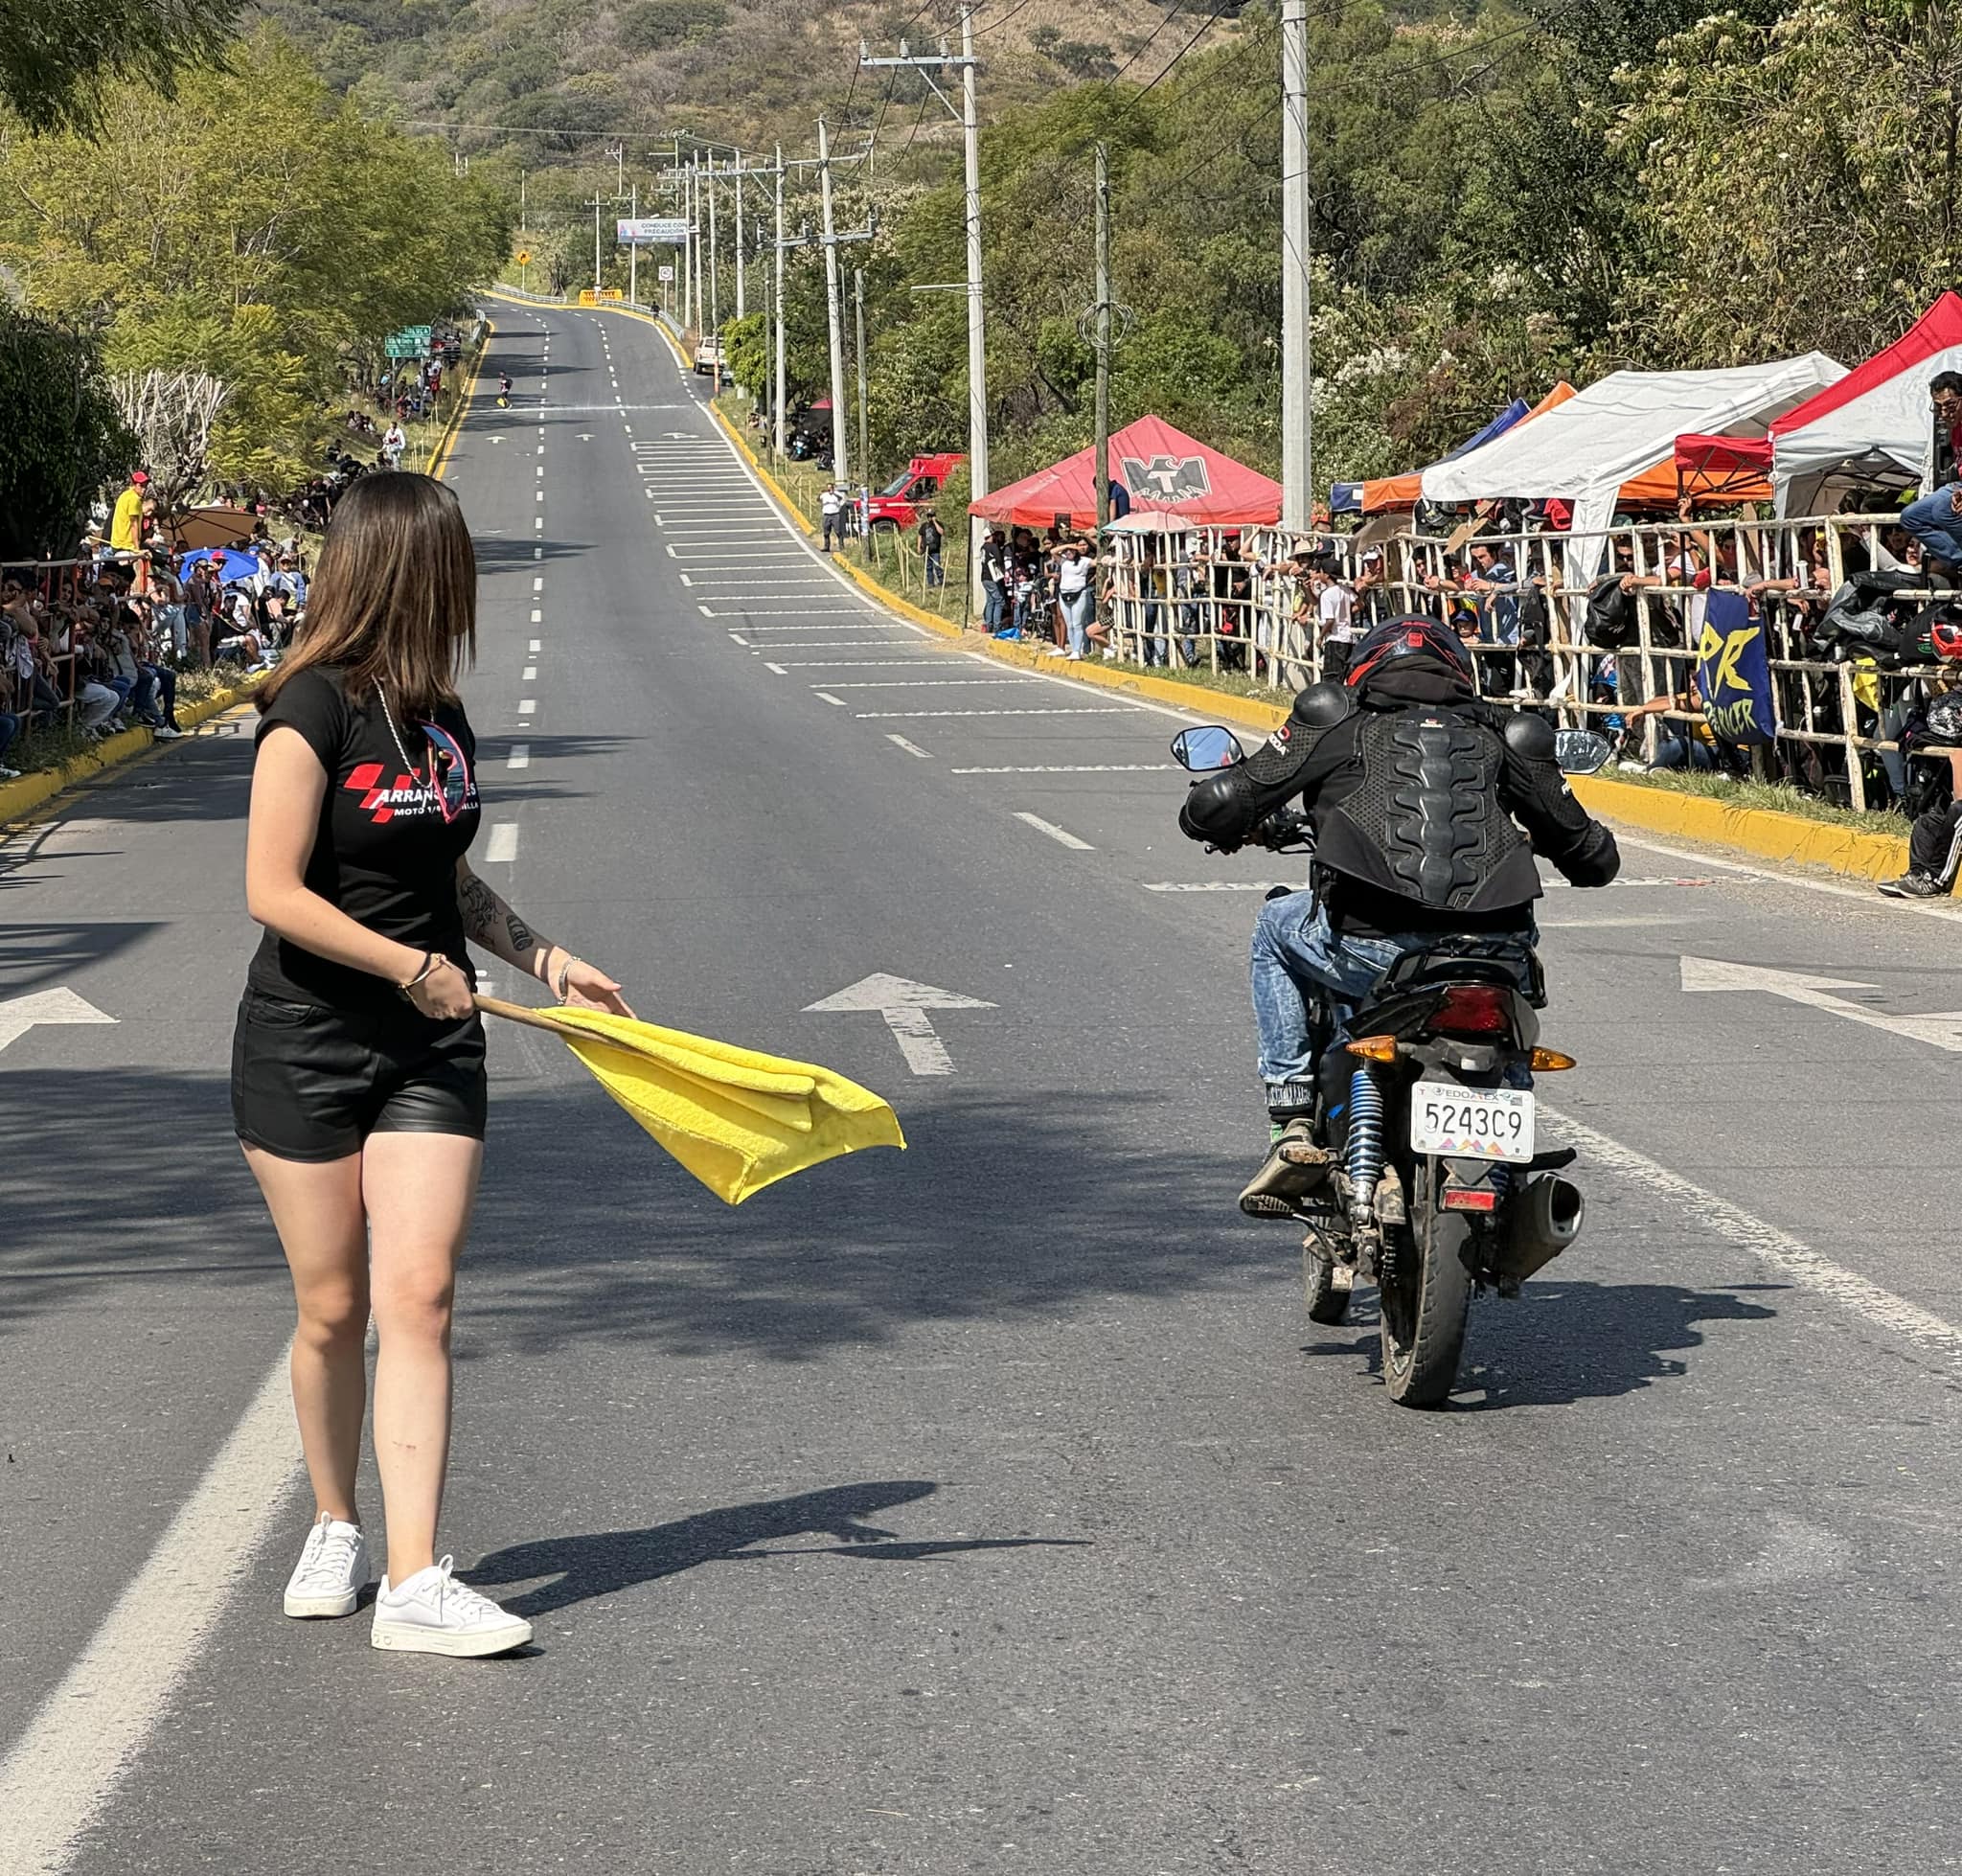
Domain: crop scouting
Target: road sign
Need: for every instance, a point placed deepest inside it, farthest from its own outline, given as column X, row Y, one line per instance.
column 666, row 274
column 524, row 257
column 410, row 342
column 661, row 231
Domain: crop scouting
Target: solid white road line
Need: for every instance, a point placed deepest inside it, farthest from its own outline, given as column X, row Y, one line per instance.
column 1075, row 768
column 1061, row 835
column 830, row 699
column 930, row 684
column 528, row 706
column 86, row 1736
column 777, row 668
column 1949, row 910
column 1223, row 885
column 911, row 748
column 520, row 756
column 1095, row 710
column 777, row 611
column 1790, row 1257
column 502, row 845
column 849, row 663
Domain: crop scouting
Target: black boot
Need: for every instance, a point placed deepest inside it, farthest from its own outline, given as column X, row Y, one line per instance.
column 1294, row 1166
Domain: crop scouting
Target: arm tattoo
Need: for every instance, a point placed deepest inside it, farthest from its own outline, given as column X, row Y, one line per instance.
column 479, row 904
column 520, row 931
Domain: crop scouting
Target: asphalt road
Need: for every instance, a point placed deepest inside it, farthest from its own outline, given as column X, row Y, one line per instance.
column 993, row 1507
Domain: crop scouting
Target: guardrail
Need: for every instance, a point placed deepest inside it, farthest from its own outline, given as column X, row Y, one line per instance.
column 1227, row 600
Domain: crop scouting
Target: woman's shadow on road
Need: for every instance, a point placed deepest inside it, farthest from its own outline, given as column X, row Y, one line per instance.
column 602, row 1562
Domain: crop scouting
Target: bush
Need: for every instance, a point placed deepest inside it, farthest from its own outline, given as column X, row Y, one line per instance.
column 658, row 25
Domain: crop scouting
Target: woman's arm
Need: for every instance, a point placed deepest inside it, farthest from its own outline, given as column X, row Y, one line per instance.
column 490, row 923
column 288, row 784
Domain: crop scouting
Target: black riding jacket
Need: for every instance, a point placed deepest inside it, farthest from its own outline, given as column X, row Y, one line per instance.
column 1417, row 791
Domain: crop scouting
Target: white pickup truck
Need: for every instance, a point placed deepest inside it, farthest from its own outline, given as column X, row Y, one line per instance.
column 708, row 357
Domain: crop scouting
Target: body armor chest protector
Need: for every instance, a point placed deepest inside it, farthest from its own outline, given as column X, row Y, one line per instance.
column 1425, row 822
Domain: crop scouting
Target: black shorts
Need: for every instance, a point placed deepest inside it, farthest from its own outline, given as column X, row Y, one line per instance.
column 312, row 1083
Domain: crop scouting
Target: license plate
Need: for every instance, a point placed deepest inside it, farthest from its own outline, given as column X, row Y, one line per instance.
column 1471, row 1123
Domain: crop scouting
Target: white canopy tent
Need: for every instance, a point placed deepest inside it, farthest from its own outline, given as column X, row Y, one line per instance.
column 1611, row 432
column 1874, row 425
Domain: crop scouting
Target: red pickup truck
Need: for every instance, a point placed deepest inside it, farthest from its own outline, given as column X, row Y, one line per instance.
column 898, row 504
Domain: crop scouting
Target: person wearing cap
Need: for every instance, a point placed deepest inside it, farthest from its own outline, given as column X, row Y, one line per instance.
column 126, row 528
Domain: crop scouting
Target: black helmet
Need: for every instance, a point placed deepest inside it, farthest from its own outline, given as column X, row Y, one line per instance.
column 1414, row 635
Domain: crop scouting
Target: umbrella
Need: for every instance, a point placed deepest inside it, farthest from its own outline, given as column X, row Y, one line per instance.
column 234, row 565
column 211, row 527
column 738, row 1120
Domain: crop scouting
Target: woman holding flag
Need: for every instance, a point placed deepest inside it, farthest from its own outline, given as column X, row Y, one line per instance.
column 357, row 1069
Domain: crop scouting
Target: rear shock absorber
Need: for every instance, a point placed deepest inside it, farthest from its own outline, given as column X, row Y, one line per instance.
column 1363, row 1158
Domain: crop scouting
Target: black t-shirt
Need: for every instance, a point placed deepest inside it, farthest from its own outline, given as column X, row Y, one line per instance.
column 387, row 846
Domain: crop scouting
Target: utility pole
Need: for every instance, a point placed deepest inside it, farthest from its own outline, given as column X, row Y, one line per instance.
column 1297, row 441
column 715, row 323
column 634, row 250
column 969, row 117
column 858, row 307
column 741, row 303
column 840, row 466
column 691, row 302
column 782, row 440
column 1103, row 315
column 598, row 202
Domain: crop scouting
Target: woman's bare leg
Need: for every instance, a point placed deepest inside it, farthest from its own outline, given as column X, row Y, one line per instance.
column 420, row 1189
column 317, row 1211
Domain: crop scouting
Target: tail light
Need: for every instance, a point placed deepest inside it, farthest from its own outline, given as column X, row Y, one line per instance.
column 1473, row 1010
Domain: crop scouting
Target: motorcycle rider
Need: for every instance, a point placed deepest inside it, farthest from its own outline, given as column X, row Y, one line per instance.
column 1416, row 791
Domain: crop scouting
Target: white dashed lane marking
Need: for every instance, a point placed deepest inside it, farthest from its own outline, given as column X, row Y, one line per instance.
column 1062, row 837
column 502, row 845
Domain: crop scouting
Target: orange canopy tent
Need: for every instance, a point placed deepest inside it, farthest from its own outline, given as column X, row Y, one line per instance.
column 1398, row 492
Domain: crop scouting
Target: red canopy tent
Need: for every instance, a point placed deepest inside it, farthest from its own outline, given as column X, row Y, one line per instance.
column 1722, row 469
column 1162, row 469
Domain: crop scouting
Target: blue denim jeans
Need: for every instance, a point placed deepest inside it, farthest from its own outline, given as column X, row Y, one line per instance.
column 1078, row 610
column 993, row 606
column 1157, row 647
column 1298, row 959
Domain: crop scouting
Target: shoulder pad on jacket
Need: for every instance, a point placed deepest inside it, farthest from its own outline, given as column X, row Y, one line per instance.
column 1528, row 735
column 1323, row 705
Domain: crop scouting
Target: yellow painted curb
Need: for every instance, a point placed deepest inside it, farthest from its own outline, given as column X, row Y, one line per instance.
column 1759, row 831
column 20, row 798
column 439, row 457
column 772, row 483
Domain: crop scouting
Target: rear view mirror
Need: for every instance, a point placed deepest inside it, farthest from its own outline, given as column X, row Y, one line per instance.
column 1581, row 751
column 1209, row 747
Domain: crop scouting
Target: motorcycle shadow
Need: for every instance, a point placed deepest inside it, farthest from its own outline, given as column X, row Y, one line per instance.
column 1557, row 1343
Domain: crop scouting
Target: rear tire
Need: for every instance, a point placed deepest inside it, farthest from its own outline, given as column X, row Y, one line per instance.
column 1424, row 1313
column 1327, row 1302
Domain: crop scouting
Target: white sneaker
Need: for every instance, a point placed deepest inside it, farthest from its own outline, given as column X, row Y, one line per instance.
column 331, row 1570
column 433, row 1614
column 164, row 732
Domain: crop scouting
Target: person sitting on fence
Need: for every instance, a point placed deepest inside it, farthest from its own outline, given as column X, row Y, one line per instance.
column 1935, row 520
column 932, row 543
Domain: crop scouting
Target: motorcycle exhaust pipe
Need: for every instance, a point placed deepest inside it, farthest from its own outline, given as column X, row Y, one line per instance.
column 1547, row 1217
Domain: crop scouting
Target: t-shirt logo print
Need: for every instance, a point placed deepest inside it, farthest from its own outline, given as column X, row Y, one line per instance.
column 449, row 792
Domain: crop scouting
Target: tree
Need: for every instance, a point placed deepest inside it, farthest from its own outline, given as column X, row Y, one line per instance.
column 1801, row 183
column 170, row 414
column 58, row 55
column 62, row 438
column 259, row 230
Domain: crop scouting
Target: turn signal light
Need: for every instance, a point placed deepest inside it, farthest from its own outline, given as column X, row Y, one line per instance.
column 1549, row 1060
column 1374, row 1048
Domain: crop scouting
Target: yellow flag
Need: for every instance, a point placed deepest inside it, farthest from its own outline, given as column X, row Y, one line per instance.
column 738, row 1120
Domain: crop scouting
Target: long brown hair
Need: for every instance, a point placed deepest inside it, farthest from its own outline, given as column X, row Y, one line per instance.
column 395, row 599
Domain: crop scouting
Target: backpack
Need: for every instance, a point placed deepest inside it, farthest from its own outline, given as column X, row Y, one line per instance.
column 1610, row 617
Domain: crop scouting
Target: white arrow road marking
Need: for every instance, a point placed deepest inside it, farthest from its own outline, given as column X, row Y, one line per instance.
column 905, row 1004
column 19, row 1014
column 1942, row 1031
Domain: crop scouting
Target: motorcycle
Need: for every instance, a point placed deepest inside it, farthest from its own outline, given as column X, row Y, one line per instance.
column 1438, row 1189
